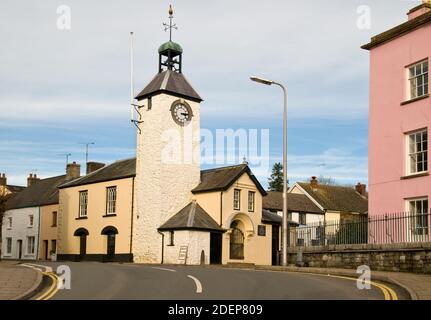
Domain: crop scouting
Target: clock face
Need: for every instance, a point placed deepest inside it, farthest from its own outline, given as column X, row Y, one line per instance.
column 181, row 113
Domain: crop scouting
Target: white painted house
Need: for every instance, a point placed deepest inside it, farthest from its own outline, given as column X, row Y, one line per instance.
column 21, row 221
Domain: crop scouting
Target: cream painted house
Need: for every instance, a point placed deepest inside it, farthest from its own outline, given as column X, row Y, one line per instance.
column 95, row 215
column 337, row 202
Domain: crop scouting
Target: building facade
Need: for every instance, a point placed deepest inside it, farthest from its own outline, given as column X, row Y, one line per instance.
column 400, row 116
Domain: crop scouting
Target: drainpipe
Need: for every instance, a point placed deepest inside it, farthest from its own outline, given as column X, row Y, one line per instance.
column 221, row 209
column 163, row 244
column 38, row 235
column 131, row 217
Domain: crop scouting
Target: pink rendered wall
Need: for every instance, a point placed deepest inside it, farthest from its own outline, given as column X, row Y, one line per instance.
column 388, row 121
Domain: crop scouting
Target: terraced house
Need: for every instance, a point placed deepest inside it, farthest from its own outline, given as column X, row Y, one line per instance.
column 29, row 229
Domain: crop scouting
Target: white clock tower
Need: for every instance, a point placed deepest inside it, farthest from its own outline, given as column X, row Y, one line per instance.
column 168, row 152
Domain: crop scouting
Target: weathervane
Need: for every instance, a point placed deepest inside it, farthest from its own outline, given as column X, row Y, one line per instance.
column 170, row 26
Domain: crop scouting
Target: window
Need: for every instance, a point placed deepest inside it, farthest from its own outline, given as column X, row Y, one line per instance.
column 30, row 245
column 302, row 219
column 111, row 200
column 10, row 223
column 30, row 220
column 418, row 152
column 8, row 245
column 418, row 79
column 83, row 203
column 171, row 238
column 251, row 195
column 53, row 246
column 419, row 216
column 237, row 199
column 261, row 231
column 54, row 219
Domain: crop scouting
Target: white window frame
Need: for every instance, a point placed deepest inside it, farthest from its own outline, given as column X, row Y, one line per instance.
column 237, row 199
column 413, row 154
column 111, row 200
column 8, row 246
column 30, row 220
column 31, row 242
column 415, row 217
column 418, row 81
column 251, row 201
column 83, row 204
column 10, row 223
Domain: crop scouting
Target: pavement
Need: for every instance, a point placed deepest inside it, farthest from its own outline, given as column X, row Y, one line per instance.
column 17, row 282
column 418, row 286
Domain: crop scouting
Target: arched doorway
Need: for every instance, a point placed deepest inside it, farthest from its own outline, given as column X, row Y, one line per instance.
column 236, row 242
column 82, row 234
column 110, row 233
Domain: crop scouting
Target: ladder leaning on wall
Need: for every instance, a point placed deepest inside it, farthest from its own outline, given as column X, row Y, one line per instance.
column 182, row 257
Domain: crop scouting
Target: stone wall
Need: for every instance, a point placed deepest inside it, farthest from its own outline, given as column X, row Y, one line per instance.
column 410, row 257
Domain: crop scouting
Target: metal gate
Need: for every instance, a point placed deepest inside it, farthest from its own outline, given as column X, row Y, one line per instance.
column 237, row 244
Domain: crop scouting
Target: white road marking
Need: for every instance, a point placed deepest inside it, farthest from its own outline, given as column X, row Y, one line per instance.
column 164, row 269
column 37, row 267
column 198, row 284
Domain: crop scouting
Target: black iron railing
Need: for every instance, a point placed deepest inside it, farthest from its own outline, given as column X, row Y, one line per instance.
column 402, row 227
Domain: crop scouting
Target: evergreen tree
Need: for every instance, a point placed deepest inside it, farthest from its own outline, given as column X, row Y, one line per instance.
column 276, row 179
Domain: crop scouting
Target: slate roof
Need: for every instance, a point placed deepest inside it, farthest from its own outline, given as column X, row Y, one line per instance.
column 15, row 189
column 170, row 82
column 192, row 217
column 272, row 218
column 221, row 179
column 401, row 29
column 295, row 203
column 117, row 170
column 42, row 192
column 337, row 198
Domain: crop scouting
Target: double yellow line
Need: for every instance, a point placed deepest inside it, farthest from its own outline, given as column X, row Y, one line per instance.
column 388, row 293
column 52, row 289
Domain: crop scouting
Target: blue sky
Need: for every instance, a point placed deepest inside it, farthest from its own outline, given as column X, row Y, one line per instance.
column 60, row 88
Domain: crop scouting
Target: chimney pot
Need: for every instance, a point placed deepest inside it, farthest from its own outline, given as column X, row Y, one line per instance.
column 361, row 188
column 93, row 166
column 314, row 182
column 73, row 171
column 32, row 179
column 3, row 180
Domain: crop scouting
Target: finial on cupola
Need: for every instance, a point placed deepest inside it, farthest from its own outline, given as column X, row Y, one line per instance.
column 170, row 52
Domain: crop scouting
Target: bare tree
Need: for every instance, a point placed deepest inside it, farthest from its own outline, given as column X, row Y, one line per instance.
column 327, row 181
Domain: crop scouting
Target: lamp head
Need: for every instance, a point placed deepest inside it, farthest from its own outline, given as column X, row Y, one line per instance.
column 262, row 81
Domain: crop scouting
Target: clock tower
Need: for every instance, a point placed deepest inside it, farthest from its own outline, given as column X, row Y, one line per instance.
column 168, row 151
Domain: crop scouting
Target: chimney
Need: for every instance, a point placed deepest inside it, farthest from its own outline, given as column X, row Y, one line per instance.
column 420, row 9
column 73, row 171
column 93, row 166
column 32, row 178
column 361, row 188
column 3, row 180
column 313, row 182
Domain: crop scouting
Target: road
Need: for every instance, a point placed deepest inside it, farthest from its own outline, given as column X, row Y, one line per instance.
column 99, row 281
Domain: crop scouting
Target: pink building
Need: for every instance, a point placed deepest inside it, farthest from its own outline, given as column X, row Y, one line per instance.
column 400, row 116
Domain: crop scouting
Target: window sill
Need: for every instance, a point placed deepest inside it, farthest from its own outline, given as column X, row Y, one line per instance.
column 29, row 227
column 81, row 218
column 54, row 226
column 416, row 175
column 170, row 245
column 109, row 215
column 415, row 99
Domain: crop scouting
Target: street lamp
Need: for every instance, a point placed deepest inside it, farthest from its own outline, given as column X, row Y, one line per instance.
column 285, row 214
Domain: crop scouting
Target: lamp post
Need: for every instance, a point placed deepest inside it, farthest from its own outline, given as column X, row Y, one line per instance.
column 285, row 213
